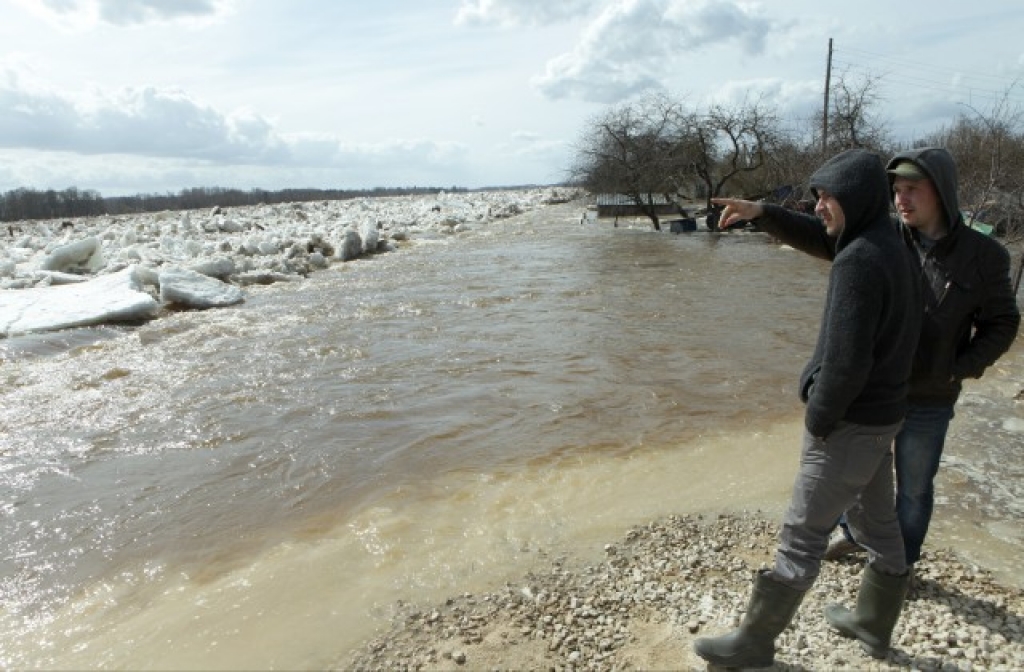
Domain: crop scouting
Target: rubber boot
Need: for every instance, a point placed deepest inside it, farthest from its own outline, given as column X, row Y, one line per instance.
column 879, row 602
column 772, row 606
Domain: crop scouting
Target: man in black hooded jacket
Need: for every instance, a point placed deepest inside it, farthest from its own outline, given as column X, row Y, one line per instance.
column 854, row 388
column 970, row 319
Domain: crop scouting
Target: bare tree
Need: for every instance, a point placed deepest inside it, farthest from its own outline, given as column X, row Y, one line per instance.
column 734, row 145
column 989, row 150
column 853, row 119
column 632, row 149
column 656, row 147
column 794, row 158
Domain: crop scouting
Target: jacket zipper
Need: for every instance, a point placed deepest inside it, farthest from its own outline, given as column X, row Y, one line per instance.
column 924, row 273
column 945, row 290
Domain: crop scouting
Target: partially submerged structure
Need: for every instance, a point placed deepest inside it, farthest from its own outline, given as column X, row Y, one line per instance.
column 621, row 205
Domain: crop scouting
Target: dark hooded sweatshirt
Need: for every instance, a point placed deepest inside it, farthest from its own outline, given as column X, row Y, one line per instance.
column 872, row 316
column 971, row 315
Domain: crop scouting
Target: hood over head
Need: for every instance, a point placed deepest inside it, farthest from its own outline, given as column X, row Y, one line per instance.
column 937, row 165
column 857, row 180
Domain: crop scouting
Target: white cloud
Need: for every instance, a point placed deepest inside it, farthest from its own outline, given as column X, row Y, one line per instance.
column 918, row 116
column 793, row 99
column 160, row 95
column 312, row 162
column 521, row 12
column 85, row 14
column 554, row 153
column 145, row 122
column 421, row 152
column 166, row 134
column 128, row 12
column 155, row 122
column 526, row 136
column 634, row 45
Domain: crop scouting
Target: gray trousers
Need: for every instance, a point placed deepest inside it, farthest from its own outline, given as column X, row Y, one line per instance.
column 852, row 466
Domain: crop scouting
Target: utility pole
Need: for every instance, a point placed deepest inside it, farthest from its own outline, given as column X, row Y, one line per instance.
column 824, row 113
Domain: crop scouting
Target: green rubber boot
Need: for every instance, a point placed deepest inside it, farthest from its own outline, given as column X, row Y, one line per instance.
column 772, row 606
column 879, row 602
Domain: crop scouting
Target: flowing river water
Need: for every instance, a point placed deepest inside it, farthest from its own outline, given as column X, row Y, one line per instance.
column 257, row 487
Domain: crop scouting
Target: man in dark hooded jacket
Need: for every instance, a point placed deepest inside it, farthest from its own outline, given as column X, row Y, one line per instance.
column 970, row 319
column 855, row 388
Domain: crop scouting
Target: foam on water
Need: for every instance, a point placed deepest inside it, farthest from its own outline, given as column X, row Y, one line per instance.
column 257, row 486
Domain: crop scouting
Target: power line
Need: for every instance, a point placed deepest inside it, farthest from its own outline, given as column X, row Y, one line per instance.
column 956, row 86
column 962, row 86
column 959, row 88
column 912, row 78
column 934, row 68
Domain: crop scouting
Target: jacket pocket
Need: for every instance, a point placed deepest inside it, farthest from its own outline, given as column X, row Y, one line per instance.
column 807, row 383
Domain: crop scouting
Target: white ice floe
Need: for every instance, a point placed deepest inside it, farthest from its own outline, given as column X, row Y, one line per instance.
column 53, row 274
column 116, row 297
column 86, row 253
column 183, row 287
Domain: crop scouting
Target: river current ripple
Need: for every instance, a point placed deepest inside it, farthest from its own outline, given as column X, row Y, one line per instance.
column 233, row 488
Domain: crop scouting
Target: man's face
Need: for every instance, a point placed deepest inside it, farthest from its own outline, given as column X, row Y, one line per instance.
column 830, row 212
column 918, row 204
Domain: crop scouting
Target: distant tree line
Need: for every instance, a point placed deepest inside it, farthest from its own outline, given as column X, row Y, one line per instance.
column 27, row 204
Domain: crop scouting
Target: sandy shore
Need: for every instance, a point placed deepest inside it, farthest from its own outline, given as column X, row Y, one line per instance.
column 679, row 578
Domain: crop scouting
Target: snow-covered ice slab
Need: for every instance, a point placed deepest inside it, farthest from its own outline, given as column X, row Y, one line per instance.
column 117, row 297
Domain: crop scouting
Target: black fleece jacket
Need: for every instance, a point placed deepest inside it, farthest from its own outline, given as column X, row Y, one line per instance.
column 869, row 330
column 971, row 315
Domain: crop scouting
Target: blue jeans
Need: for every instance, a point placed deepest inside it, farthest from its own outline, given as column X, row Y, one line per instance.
column 918, row 451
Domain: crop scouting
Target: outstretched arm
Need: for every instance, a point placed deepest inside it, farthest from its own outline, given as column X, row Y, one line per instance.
column 736, row 209
column 803, row 232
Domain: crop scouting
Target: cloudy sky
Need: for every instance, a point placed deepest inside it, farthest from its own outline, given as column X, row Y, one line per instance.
column 130, row 96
